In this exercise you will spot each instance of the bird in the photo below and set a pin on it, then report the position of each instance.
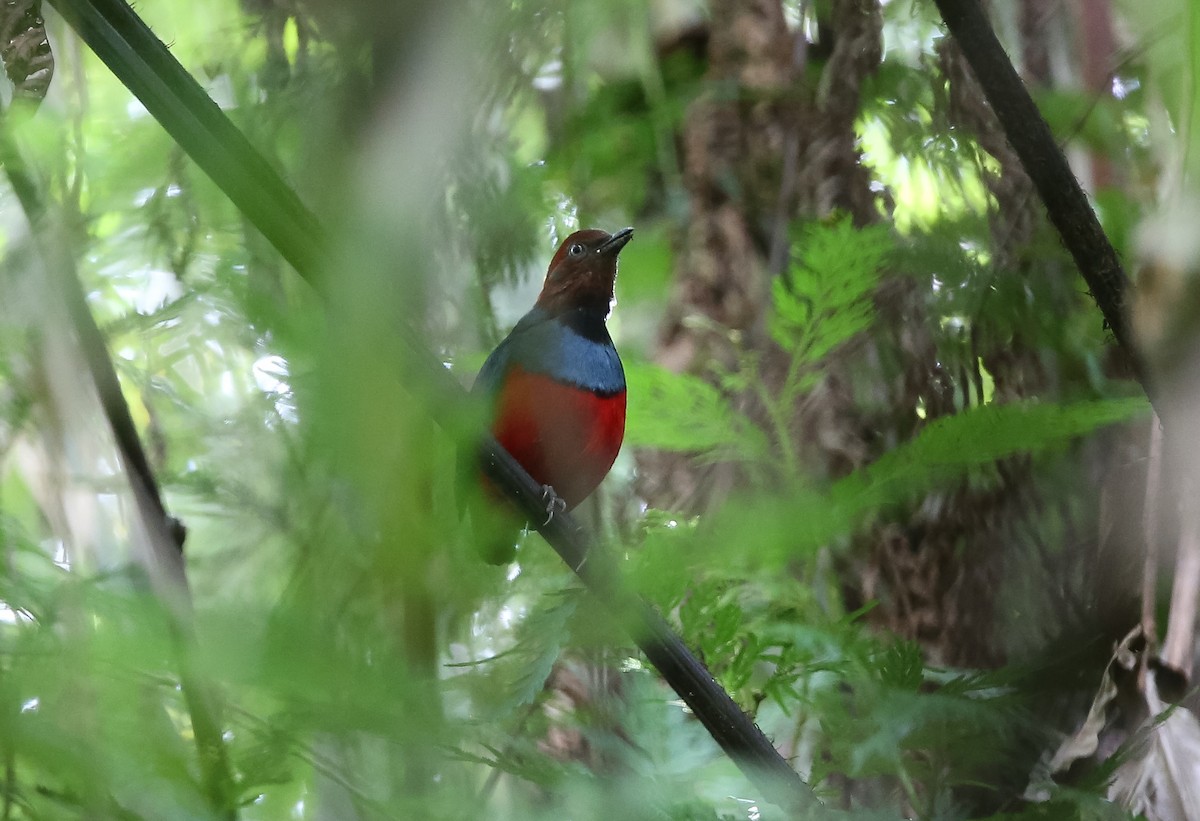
(554, 388)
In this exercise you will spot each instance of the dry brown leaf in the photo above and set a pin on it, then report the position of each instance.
(1162, 779)
(1160, 775)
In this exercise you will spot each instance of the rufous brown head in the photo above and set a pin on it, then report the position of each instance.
(583, 271)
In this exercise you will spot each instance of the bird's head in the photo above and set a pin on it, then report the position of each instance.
(583, 271)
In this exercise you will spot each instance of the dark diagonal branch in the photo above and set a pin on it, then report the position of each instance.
(1065, 202)
(169, 93)
(736, 734)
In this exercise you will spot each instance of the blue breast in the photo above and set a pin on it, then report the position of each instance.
(573, 348)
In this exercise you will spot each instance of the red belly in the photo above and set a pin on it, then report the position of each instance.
(564, 436)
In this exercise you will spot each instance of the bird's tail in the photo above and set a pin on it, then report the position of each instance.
(494, 528)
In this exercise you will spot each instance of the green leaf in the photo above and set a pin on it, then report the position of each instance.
(825, 299)
(944, 451)
(947, 448)
(540, 639)
(680, 412)
(995, 431)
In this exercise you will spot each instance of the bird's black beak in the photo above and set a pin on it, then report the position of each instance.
(613, 245)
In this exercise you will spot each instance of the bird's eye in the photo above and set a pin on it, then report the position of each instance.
(576, 250)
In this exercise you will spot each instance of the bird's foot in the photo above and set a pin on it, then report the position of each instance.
(554, 503)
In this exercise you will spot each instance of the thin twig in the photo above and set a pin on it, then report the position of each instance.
(493, 779)
(1150, 529)
(1150, 514)
(164, 558)
(1179, 645)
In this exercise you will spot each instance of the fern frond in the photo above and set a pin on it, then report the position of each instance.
(825, 299)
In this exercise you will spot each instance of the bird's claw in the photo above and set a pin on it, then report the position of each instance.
(554, 503)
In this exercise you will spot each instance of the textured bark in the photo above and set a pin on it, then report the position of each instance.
(1097, 46)
(773, 143)
(940, 578)
(732, 154)
(770, 142)
(937, 578)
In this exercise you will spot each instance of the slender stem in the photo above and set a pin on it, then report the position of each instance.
(791, 461)
(777, 408)
(164, 557)
(1150, 516)
(1178, 647)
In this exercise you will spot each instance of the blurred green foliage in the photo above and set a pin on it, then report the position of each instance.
(368, 666)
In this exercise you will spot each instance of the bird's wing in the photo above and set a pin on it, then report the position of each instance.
(487, 383)
(524, 335)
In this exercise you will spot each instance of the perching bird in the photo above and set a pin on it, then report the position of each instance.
(555, 384)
